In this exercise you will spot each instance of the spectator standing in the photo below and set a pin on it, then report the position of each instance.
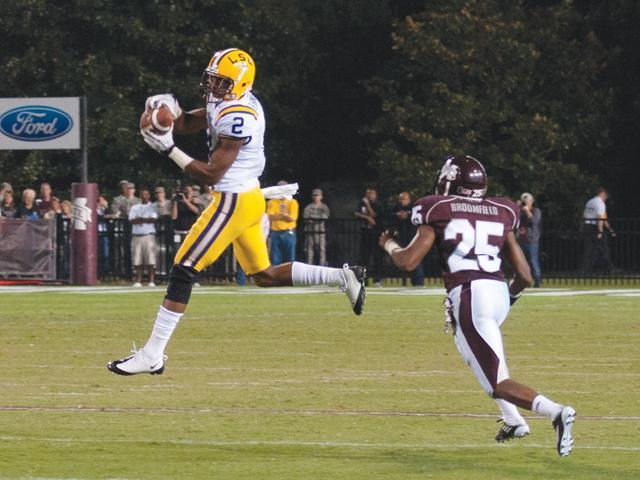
(164, 230)
(196, 198)
(206, 197)
(529, 234)
(315, 233)
(4, 186)
(596, 244)
(44, 202)
(142, 217)
(118, 205)
(102, 210)
(27, 209)
(66, 210)
(162, 204)
(63, 219)
(122, 203)
(400, 219)
(184, 212)
(7, 207)
(371, 214)
(283, 215)
(56, 208)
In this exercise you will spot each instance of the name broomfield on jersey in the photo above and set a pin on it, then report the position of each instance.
(478, 209)
(471, 233)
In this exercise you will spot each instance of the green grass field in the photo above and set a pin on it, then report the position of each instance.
(294, 386)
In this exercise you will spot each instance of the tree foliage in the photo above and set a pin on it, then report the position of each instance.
(510, 84)
(118, 53)
(350, 92)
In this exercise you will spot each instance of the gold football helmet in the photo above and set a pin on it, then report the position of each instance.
(228, 76)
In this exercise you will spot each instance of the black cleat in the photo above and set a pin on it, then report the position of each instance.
(507, 432)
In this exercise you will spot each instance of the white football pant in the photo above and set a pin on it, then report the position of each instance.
(479, 308)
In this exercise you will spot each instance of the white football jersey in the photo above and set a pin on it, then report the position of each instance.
(241, 119)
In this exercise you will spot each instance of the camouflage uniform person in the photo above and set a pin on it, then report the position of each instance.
(122, 203)
(315, 236)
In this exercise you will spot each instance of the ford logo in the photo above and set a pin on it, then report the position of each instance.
(35, 123)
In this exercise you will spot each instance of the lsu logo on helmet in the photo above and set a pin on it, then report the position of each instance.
(228, 76)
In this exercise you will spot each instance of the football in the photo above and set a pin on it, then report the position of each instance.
(159, 119)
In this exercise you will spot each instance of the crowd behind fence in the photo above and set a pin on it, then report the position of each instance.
(561, 250)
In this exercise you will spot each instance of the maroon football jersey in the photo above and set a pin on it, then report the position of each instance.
(470, 234)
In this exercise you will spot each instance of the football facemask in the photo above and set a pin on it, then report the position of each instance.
(216, 88)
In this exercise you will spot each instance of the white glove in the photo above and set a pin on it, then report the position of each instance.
(168, 100)
(160, 142)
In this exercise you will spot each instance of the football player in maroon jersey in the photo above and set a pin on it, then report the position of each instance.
(472, 232)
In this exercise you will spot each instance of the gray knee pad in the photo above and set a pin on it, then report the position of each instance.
(181, 280)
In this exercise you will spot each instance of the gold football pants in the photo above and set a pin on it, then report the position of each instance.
(232, 218)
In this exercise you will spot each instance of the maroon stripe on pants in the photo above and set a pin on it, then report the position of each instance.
(481, 350)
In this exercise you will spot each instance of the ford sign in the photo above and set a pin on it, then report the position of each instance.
(35, 123)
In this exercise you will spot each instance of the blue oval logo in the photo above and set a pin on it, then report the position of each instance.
(35, 123)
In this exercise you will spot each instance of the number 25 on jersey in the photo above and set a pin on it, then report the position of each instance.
(486, 255)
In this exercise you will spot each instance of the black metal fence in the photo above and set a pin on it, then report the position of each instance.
(561, 250)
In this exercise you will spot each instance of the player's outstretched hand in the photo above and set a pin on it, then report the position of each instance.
(160, 142)
(386, 235)
(168, 100)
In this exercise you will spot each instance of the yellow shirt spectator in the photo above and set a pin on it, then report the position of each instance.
(283, 214)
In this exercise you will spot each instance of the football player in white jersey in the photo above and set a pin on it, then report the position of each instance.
(235, 124)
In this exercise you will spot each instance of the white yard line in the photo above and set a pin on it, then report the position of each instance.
(293, 412)
(303, 443)
(109, 290)
(58, 478)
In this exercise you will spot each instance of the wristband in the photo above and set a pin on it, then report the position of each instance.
(178, 156)
(391, 246)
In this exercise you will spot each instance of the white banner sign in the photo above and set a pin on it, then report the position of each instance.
(47, 123)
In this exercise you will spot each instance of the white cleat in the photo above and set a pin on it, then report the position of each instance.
(563, 424)
(151, 285)
(137, 285)
(137, 363)
(355, 279)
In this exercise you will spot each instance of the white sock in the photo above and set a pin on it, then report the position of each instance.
(510, 413)
(165, 324)
(303, 274)
(546, 407)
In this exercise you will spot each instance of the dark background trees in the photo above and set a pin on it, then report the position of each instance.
(545, 93)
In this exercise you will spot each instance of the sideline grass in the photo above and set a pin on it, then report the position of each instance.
(294, 386)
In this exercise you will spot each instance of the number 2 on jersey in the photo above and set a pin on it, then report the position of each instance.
(477, 239)
(236, 127)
